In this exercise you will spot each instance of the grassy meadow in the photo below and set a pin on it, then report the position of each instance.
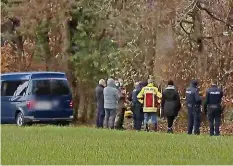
(81, 145)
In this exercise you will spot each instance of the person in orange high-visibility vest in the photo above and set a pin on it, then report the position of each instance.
(150, 97)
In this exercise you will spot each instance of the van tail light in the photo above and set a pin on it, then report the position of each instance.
(30, 104)
(71, 104)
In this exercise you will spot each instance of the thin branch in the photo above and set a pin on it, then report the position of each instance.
(226, 53)
(216, 47)
(206, 37)
(228, 72)
(190, 43)
(212, 15)
(102, 34)
(212, 37)
(12, 45)
(181, 25)
(188, 7)
(178, 32)
(190, 14)
(187, 13)
(187, 22)
(30, 61)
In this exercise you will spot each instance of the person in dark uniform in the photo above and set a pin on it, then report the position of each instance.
(137, 107)
(213, 109)
(170, 104)
(193, 102)
(100, 103)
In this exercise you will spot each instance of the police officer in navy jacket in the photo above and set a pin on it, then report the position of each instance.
(136, 106)
(193, 102)
(212, 107)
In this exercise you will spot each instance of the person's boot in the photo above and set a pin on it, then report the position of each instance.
(170, 130)
(217, 132)
(196, 133)
(120, 122)
(147, 127)
(155, 127)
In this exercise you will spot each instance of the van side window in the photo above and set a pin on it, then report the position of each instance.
(9, 88)
(21, 90)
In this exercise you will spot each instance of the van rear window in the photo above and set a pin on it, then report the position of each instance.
(41, 87)
(50, 87)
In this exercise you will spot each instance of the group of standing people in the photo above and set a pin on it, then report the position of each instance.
(211, 107)
(110, 103)
(146, 101)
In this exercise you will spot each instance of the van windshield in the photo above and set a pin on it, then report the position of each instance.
(50, 87)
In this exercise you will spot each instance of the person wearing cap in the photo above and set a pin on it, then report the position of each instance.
(100, 103)
(193, 102)
(213, 108)
(149, 96)
(170, 104)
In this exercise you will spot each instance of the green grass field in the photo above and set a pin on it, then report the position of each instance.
(80, 145)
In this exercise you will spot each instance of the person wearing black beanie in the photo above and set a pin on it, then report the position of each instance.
(170, 104)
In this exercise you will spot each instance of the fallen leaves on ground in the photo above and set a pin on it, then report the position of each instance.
(181, 123)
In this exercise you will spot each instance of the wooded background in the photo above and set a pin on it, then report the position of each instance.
(93, 39)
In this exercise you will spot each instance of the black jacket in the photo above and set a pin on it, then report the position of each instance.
(192, 94)
(99, 96)
(170, 101)
(213, 97)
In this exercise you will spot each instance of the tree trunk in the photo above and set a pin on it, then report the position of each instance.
(90, 109)
(197, 36)
(81, 106)
(43, 49)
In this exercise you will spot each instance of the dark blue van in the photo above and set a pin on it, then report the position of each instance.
(35, 97)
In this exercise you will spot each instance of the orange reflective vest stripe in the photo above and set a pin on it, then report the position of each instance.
(150, 97)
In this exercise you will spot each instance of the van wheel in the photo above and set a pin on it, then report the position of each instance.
(20, 119)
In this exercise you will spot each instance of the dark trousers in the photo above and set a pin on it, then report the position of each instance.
(194, 119)
(170, 120)
(138, 115)
(100, 117)
(214, 118)
(120, 120)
